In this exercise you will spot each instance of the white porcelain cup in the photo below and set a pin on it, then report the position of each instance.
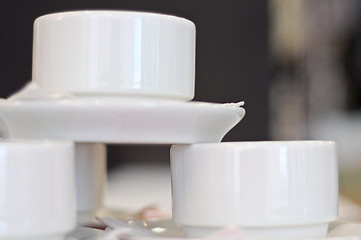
(115, 52)
(275, 190)
(37, 190)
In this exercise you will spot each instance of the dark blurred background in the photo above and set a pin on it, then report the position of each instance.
(231, 57)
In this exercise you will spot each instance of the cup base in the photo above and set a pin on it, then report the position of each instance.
(37, 237)
(270, 233)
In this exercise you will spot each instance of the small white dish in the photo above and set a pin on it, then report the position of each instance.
(275, 190)
(118, 120)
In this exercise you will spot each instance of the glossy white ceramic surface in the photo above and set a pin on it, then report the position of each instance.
(91, 174)
(118, 120)
(115, 52)
(255, 185)
(37, 189)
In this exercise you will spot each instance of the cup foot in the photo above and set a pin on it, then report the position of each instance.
(37, 237)
(270, 233)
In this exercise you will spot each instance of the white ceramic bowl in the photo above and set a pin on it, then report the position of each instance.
(37, 190)
(276, 190)
(115, 52)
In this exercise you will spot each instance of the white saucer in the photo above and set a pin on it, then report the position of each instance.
(118, 120)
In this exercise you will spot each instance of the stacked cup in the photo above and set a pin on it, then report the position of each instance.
(115, 53)
(110, 55)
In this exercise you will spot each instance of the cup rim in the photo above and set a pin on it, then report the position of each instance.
(114, 13)
(262, 144)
